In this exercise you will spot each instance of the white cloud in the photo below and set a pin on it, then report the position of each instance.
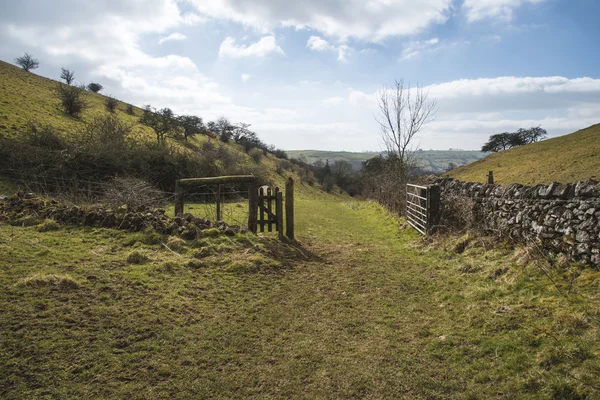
(417, 47)
(372, 20)
(333, 101)
(172, 36)
(265, 46)
(502, 9)
(245, 77)
(318, 44)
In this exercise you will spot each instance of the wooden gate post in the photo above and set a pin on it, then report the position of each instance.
(289, 209)
(253, 206)
(179, 199)
(219, 202)
(279, 212)
(433, 208)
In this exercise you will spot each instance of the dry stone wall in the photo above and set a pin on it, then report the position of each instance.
(562, 218)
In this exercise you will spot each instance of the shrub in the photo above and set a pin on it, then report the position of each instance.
(133, 193)
(111, 104)
(256, 155)
(95, 87)
(72, 99)
(137, 257)
(130, 110)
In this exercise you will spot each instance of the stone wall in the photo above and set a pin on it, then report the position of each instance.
(563, 219)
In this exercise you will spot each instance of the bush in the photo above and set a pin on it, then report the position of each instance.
(133, 193)
(130, 110)
(72, 99)
(256, 155)
(111, 104)
(95, 87)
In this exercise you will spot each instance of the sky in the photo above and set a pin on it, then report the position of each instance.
(305, 74)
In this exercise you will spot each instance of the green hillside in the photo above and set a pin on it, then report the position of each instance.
(27, 98)
(435, 161)
(563, 159)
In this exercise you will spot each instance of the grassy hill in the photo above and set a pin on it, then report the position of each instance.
(435, 161)
(563, 159)
(27, 98)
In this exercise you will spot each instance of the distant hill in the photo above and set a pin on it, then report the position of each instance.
(436, 161)
(563, 159)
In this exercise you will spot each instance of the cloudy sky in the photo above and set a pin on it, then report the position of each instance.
(305, 73)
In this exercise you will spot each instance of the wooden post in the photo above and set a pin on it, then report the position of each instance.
(270, 195)
(179, 199)
(289, 209)
(491, 177)
(279, 211)
(253, 206)
(219, 203)
(433, 208)
(261, 200)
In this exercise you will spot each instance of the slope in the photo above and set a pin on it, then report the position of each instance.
(563, 159)
(27, 98)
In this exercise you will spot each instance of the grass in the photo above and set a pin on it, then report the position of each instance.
(563, 159)
(364, 308)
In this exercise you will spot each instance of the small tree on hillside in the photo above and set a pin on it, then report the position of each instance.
(67, 75)
(95, 87)
(27, 62)
(72, 99)
(163, 122)
(191, 125)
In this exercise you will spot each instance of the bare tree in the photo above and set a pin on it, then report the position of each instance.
(403, 112)
(27, 62)
(67, 75)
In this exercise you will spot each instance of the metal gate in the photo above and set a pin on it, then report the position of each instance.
(416, 207)
(423, 207)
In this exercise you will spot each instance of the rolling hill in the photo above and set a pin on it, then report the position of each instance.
(563, 159)
(435, 161)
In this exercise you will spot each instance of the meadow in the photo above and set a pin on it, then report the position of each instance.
(360, 307)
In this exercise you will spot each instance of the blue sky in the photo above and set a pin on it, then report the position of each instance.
(306, 74)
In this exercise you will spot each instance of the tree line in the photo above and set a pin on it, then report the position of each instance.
(508, 140)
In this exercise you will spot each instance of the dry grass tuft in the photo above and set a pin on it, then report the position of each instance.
(41, 280)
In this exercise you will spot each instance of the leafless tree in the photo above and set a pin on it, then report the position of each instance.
(403, 112)
(27, 62)
(67, 75)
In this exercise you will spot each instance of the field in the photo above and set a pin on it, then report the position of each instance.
(361, 307)
(563, 159)
(435, 161)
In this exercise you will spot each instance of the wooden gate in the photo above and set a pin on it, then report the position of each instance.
(270, 206)
(423, 207)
